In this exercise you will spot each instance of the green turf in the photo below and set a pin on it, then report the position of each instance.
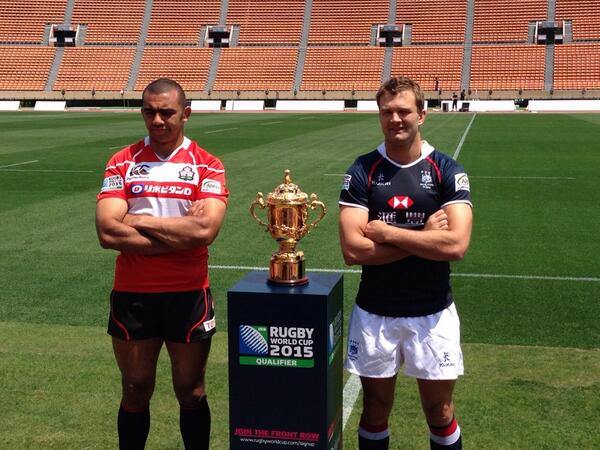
(534, 189)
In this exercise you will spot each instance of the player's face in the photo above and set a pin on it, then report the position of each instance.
(164, 117)
(399, 118)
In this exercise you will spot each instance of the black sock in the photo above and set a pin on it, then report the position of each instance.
(368, 444)
(195, 426)
(133, 428)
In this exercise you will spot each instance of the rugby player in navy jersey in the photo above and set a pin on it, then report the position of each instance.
(162, 204)
(405, 213)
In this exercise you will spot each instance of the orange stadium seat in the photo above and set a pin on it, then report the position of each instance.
(180, 21)
(256, 68)
(345, 21)
(342, 68)
(433, 21)
(577, 66)
(187, 65)
(267, 21)
(426, 63)
(506, 20)
(25, 21)
(25, 68)
(110, 21)
(507, 67)
(99, 68)
(585, 15)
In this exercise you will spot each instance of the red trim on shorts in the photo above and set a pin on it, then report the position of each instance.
(373, 167)
(444, 431)
(437, 169)
(119, 324)
(197, 324)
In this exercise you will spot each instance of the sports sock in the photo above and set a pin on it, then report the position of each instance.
(195, 426)
(445, 438)
(133, 428)
(373, 437)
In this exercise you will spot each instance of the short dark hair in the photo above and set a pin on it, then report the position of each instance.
(162, 85)
(396, 85)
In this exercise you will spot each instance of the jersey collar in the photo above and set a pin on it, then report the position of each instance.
(184, 145)
(426, 150)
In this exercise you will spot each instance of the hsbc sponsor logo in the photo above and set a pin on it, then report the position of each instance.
(461, 182)
(400, 202)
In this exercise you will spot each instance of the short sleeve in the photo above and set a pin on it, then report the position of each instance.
(455, 185)
(113, 184)
(355, 186)
(212, 182)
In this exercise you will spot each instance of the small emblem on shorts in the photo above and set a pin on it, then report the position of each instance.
(353, 348)
(446, 360)
(210, 324)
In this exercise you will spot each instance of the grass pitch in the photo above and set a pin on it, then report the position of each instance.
(527, 291)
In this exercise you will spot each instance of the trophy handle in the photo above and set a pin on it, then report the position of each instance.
(261, 203)
(313, 204)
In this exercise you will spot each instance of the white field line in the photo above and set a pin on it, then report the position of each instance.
(522, 178)
(219, 131)
(20, 164)
(116, 147)
(271, 123)
(350, 395)
(305, 118)
(47, 170)
(465, 275)
(464, 136)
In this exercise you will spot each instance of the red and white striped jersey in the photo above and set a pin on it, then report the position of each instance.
(163, 188)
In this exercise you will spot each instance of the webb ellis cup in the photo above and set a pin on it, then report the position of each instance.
(288, 223)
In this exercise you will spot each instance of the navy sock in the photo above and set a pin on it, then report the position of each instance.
(373, 437)
(133, 428)
(195, 426)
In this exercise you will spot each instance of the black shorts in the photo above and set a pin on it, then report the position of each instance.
(173, 316)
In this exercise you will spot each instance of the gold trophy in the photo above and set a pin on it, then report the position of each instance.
(288, 223)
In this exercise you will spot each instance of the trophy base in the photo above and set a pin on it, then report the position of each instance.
(287, 269)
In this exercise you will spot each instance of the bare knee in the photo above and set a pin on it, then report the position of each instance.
(137, 391)
(439, 414)
(189, 393)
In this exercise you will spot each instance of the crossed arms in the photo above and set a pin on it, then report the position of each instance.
(150, 235)
(445, 237)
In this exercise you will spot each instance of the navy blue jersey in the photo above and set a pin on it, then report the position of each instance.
(405, 196)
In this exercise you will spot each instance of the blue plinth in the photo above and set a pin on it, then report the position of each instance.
(285, 363)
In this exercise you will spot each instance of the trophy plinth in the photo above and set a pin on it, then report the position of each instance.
(288, 223)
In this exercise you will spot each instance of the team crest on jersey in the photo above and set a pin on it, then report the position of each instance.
(186, 174)
(461, 182)
(114, 183)
(346, 182)
(211, 186)
(426, 179)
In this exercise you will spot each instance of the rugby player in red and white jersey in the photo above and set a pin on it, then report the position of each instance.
(162, 204)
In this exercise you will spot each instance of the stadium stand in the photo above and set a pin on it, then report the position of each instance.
(433, 21)
(503, 67)
(345, 21)
(188, 65)
(267, 21)
(506, 20)
(110, 21)
(97, 68)
(585, 15)
(25, 22)
(426, 63)
(25, 68)
(577, 66)
(342, 68)
(180, 21)
(256, 68)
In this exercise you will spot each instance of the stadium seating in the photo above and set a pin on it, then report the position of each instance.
(342, 68)
(507, 67)
(25, 68)
(98, 68)
(585, 15)
(433, 21)
(110, 21)
(188, 65)
(180, 21)
(256, 68)
(425, 63)
(577, 66)
(267, 21)
(345, 21)
(25, 21)
(506, 20)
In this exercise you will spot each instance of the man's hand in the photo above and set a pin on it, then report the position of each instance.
(437, 221)
(197, 208)
(377, 231)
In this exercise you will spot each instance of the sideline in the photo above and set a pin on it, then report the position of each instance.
(462, 140)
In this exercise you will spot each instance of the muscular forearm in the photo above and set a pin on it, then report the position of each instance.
(368, 252)
(438, 245)
(177, 232)
(118, 236)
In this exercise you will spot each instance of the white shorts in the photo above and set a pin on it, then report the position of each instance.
(427, 346)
